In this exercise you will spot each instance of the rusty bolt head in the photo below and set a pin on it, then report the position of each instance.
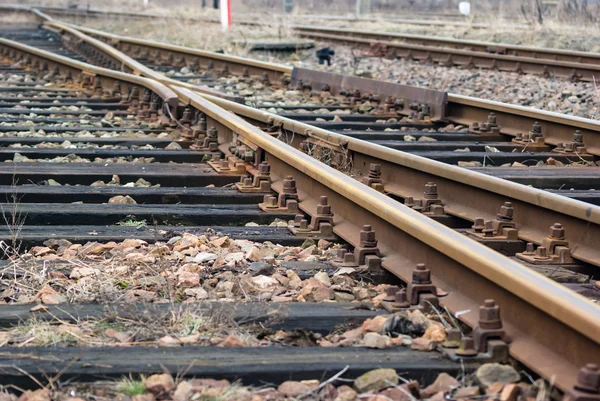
(421, 274)
(264, 168)
(349, 258)
(323, 208)
(212, 132)
(570, 146)
(557, 231)
(401, 299)
(488, 231)
(374, 167)
(390, 293)
(298, 218)
(578, 137)
(478, 225)
(541, 252)
(289, 185)
(367, 237)
(247, 182)
(356, 93)
(431, 191)
(506, 212)
(454, 334)
(536, 128)
(466, 347)
(489, 315)
(304, 224)
(409, 201)
(475, 126)
(491, 118)
(588, 379)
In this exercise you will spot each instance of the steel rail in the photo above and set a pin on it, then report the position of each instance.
(469, 59)
(537, 312)
(466, 194)
(536, 210)
(107, 76)
(235, 64)
(475, 45)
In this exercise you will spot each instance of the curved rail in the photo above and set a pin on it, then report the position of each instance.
(102, 77)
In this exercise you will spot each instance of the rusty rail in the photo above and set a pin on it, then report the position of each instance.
(538, 314)
(102, 79)
(512, 120)
(474, 45)
(467, 58)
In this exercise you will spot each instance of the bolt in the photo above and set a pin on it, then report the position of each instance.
(430, 191)
(466, 347)
(212, 132)
(270, 201)
(541, 252)
(453, 337)
(148, 97)
(401, 300)
(506, 212)
(488, 231)
(289, 185)
(489, 315)
(492, 119)
(421, 275)
(374, 170)
(536, 129)
(303, 225)
(409, 201)
(529, 248)
(557, 231)
(246, 182)
(325, 88)
(186, 116)
(367, 237)
(578, 137)
(323, 207)
(390, 293)
(264, 168)
(588, 379)
(246, 73)
(478, 225)
(349, 259)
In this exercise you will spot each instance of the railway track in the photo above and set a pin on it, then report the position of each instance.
(454, 251)
(574, 65)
